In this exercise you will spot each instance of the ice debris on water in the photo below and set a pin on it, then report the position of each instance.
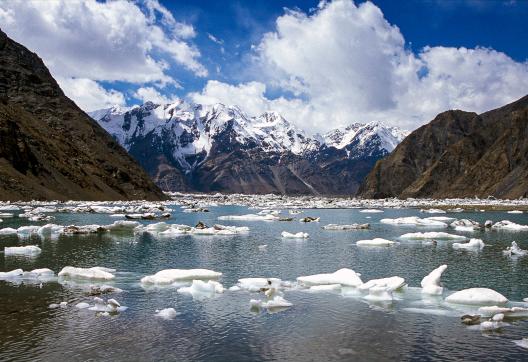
(473, 244)
(432, 235)
(299, 235)
(200, 288)
(346, 227)
(431, 283)
(509, 225)
(523, 343)
(166, 313)
(477, 296)
(96, 272)
(376, 242)
(514, 250)
(34, 276)
(169, 276)
(27, 250)
(414, 220)
(345, 277)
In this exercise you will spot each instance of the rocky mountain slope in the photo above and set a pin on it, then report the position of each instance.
(208, 148)
(458, 154)
(49, 148)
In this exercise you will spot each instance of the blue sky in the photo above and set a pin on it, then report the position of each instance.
(321, 65)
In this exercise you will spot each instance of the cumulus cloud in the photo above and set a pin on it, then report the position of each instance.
(89, 95)
(103, 41)
(146, 94)
(346, 63)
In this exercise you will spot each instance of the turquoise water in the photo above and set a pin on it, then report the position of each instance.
(319, 326)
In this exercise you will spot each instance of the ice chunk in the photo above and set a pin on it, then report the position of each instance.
(8, 231)
(346, 227)
(27, 231)
(346, 277)
(433, 211)
(523, 343)
(324, 287)
(515, 212)
(169, 276)
(276, 302)
(167, 313)
(391, 284)
(199, 287)
(371, 211)
(440, 218)
(27, 250)
(414, 220)
(87, 273)
(431, 283)
(432, 235)
(465, 225)
(11, 274)
(473, 244)
(375, 242)
(512, 312)
(82, 305)
(256, 284)
(122, 225)
(514, 250)
(508, 225)
(477, 296)
(250, 217)
(299, 235)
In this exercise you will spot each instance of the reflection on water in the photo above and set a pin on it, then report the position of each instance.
(319, 326)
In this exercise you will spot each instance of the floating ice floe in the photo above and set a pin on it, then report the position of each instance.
(431, 283)
(523, 343)
(164, 229)
(432, 235)
(42, 275)
(375, 242)
(391, 284)
(379, 294)
(166, 313)
(494, 323)
(295, 212)
(346, 227)
(6, 214)
(345, 277)
(508, 225)
(509, 212)
(8, 231)
(250, 217)
(433, 211)
(27, 250)
(414, 220)
(257, 284)
(465, 225)
(96, 272)
(513, 312)
(477, 296)
(514, 250)
(324, 287)
(200, 288)
(299, 235)
(82, 305)
(110, 306)
(371, 211)
(276, 302)
(169, 276)
(473, 244)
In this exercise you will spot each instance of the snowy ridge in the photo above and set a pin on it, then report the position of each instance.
(191, 130)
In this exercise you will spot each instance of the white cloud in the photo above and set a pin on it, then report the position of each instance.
(146, 94)
(103, 41)
(89, 95)
(346, 63)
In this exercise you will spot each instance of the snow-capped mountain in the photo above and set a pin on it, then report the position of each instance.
(220, 148)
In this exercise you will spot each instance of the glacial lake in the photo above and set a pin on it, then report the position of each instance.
(320, 326)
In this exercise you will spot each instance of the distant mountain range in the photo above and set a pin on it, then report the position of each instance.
(49, 148)
(458, 154)
(194, 147)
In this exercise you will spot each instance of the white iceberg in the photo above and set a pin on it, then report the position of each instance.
(390, 284)
(509, 212)
(371, 211)
(477, 296)
(87, 273)
(346, 227)
(346, 277)
(513, 312)
(167, 313)
(465, 225)
(199, 287)
(82, 305)
(433, 211)
(414, 220)
(27, 250)
(510, 226)
(250, 217)
(169, 276)
(379, 294)
(256, 284)
(276, 302)
(8, 231)
(324, 287)
(431, 283)
(514, 250)
(432, 235)
(299, 235)
(473, 244)
(523, 343)
(375, 242)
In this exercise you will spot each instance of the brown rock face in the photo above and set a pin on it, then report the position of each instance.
(458, 154)
(49, 148)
